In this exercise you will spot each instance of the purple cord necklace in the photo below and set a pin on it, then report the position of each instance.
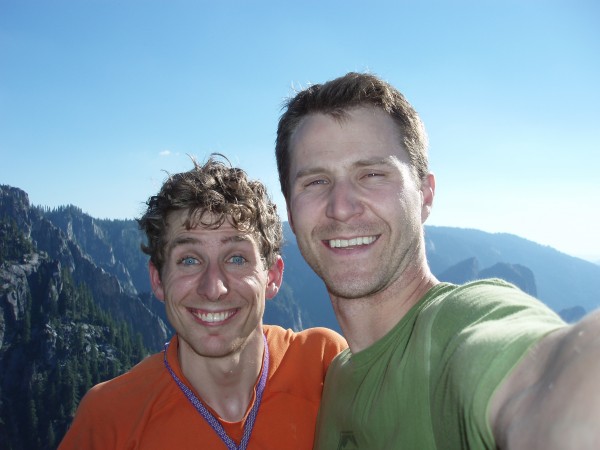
(212, 420)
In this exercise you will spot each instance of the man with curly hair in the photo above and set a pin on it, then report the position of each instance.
(224, 380)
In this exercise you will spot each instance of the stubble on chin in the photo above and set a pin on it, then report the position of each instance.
(353, 284)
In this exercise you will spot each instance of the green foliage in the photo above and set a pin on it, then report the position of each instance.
(13, 242)
(62, 348)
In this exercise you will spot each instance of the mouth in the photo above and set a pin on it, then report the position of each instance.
(212, 317)
(353, 243)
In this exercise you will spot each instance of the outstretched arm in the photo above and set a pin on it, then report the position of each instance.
(552, 399)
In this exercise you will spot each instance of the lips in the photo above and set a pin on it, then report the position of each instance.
(353, 242)
(213, 317)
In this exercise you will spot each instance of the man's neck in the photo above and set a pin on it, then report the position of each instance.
(225, 384)
(366, 320)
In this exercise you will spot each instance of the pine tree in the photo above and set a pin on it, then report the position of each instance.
(31, 424)
(67, 395)
(94, 370)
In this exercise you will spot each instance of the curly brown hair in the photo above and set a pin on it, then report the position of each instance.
(213, 193)
(335, 98)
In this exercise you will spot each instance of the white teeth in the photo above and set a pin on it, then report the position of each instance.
(341, 243)
(213, 317)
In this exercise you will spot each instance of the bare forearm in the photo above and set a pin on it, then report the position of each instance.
(561, 409)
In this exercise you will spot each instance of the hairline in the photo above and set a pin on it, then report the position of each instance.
(342, 115)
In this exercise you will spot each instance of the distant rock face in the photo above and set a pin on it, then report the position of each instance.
(14, 289)
(516, 274)
(66, 322)
(468, 270)
(561, 281)
(14, 203)
(93, 241)
(572, 315)
(462, 272)
(60, 247)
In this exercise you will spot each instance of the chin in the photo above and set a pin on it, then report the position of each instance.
(351, 290)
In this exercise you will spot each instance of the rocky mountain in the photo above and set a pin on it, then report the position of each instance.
(76, 306)
(65, 324)
(470, 269)
(561, 281)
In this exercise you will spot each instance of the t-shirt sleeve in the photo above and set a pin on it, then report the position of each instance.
(480, 333)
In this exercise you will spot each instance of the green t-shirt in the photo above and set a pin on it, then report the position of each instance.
(428, 382)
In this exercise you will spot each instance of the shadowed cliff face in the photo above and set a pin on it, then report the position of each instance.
(65, 324)
(561, 281)
(115, 295)
(469, 270)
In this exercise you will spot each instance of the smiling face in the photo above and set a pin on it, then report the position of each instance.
(355, 205)
(214, 284)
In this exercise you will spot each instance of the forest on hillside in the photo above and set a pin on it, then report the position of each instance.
(60, 345)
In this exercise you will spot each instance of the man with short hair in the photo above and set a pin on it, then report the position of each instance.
(224, 380)
(430, 365)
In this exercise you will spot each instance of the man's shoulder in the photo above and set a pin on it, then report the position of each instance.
(489, 306)
(317, 336)
(313, 347)
(484, 293)
(110, 410)
(299, 360)
(139, 379)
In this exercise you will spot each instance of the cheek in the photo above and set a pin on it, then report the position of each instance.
(253, 288)
(251, 283)
(303, 210)
(176, 286)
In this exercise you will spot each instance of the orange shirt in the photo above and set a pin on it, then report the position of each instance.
(144, 408)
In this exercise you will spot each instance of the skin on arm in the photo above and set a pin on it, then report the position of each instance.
(552, 399)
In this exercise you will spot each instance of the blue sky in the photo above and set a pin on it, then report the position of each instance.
(98, 97)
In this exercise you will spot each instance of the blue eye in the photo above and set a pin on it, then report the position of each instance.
(189, 261)
(238, 260)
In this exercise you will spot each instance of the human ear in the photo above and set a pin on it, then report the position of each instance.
(427, 194)
(155, 282)
(274, 278)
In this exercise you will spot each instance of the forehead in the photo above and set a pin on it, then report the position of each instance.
(178, 232)
(363, 133)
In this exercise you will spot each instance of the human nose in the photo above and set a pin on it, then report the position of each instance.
(212, 284)
(343, 201)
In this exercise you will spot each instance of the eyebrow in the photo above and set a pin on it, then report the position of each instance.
(190, 240)
(377, 161)
(385, 161)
